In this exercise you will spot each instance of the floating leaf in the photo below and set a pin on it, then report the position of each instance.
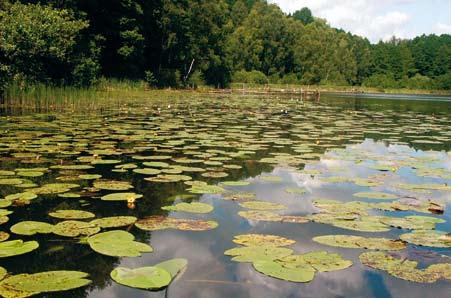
(114, 221)
(16, 247)
(260, 215)
(51, 281)
(295, 190)
(262, 240)
(10, 181)
(428, 238)
(3, 273)
(147, 171)
(350, 241)
(29, 228)
(72, 214)
(376, 195)
(256, 253)
(413, 222)
(3, 236)
(261, 205)
(405, 269)
(149, 278)
(90, 176)
(206, 189)
(154, 223)
(22, 196)
(73, 228)
(235, 183)
(193, 207)
(112, 185)
(117, 244)
(122, 196)
(276, 270)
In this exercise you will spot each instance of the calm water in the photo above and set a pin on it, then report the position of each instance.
(307, 141)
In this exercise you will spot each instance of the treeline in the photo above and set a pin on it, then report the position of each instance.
(194, 42)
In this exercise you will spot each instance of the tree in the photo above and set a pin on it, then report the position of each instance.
(304, 15)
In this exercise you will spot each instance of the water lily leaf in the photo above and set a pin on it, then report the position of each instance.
(30, 174)
(321, 261)
(173, 266)
(262, 240)
(5, 203)
(156, 164)
(274, 179)
(7, 173)
(10, 181)
(169, 178)
(114, 221)
(350, 241)
(122, 196)
(295, 190)
(73, 228)
(154, 223)
(3, 272)
(262, 205)
(413, 222)
(235, 183)
(276, 270)
(149, 278)
(30, 228)
(26, 196)
(90, 176)
(240, 196)
(16, 247)
(3, 236)
(147, 171)
(260, 215)
(376, 195)
(428, 238)
(255, 253)
(193, 207)
(3, 219)
(53, 188)
(72, 167)
(206, 189)
(117, 244)
(72, 214)
(112, 185)
(405, 269)
(51, 281)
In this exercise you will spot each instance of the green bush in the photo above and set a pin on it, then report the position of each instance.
(443, 81)
(381, 80)
(250, 77)
(417, 82)
(291, 78)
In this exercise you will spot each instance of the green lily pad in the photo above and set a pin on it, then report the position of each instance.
(405, 269)
(376, 195)
(276, 270)
(53, 188)
(428, 238)
(73, 228)
(173, 266)
(149, 278)
(16, 247)
(262, 240)
(350, 241)
(254, 253)
(30, 174)
(3, 236)
(90, 176)
(413, 222)
(117, 244)
(25, 196)
(72, 214)
(193, 207)
(206, 189)
(295, 190)
(5, 203)
(147, 171)
(156, 164)
(7, 173)
(114, 221)
(112, 185)
(3, 273)
(122, 196)
(261, 205)
(235, 183)
(154, 223)
(29, 228)
(10, 181)
(51, 281)
(260, 215)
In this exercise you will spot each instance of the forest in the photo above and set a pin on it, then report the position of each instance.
(179, 43)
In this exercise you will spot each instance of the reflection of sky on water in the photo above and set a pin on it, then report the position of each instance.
(210, 274)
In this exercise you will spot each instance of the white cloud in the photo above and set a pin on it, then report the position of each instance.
(441, 28)
(373, 19)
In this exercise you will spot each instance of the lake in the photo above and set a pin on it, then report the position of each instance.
(346, 165)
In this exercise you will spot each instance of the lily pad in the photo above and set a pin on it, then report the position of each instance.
(112, 185)
(122, 196)
(193, 207)
(413, 222)
(51, 281)
(149, 278)
(235, 183)
(256, 253)
(428, 238)
(262, 240)
(206, 189)
(260, 215)
(16, 247)
(73, 228)
(262, 205)
(114, 221)
(30, 228)
(173, 266)
(376, 195)
(72, 214)
(277, 270)
(295, 190)
(350, 241)
(117, 244)
(154, 223)
(3, 236)
(26, 196)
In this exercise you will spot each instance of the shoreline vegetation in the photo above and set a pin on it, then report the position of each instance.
(40, 97)
(67, 49)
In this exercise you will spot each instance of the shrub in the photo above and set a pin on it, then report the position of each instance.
(250, 77)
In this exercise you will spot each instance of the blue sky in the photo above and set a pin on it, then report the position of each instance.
(380, 19)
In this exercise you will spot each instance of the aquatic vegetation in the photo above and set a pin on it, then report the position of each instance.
(428, 238)
(155, 223)
(117, 243)
(262, 205)
(30, 228)
(376, 195)
(16, 247)
(72, 214)
(74, 228)
(114, 221)
(193, 207)
(121, 196)
(264, 240)
(350, 241)
(405, 269)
